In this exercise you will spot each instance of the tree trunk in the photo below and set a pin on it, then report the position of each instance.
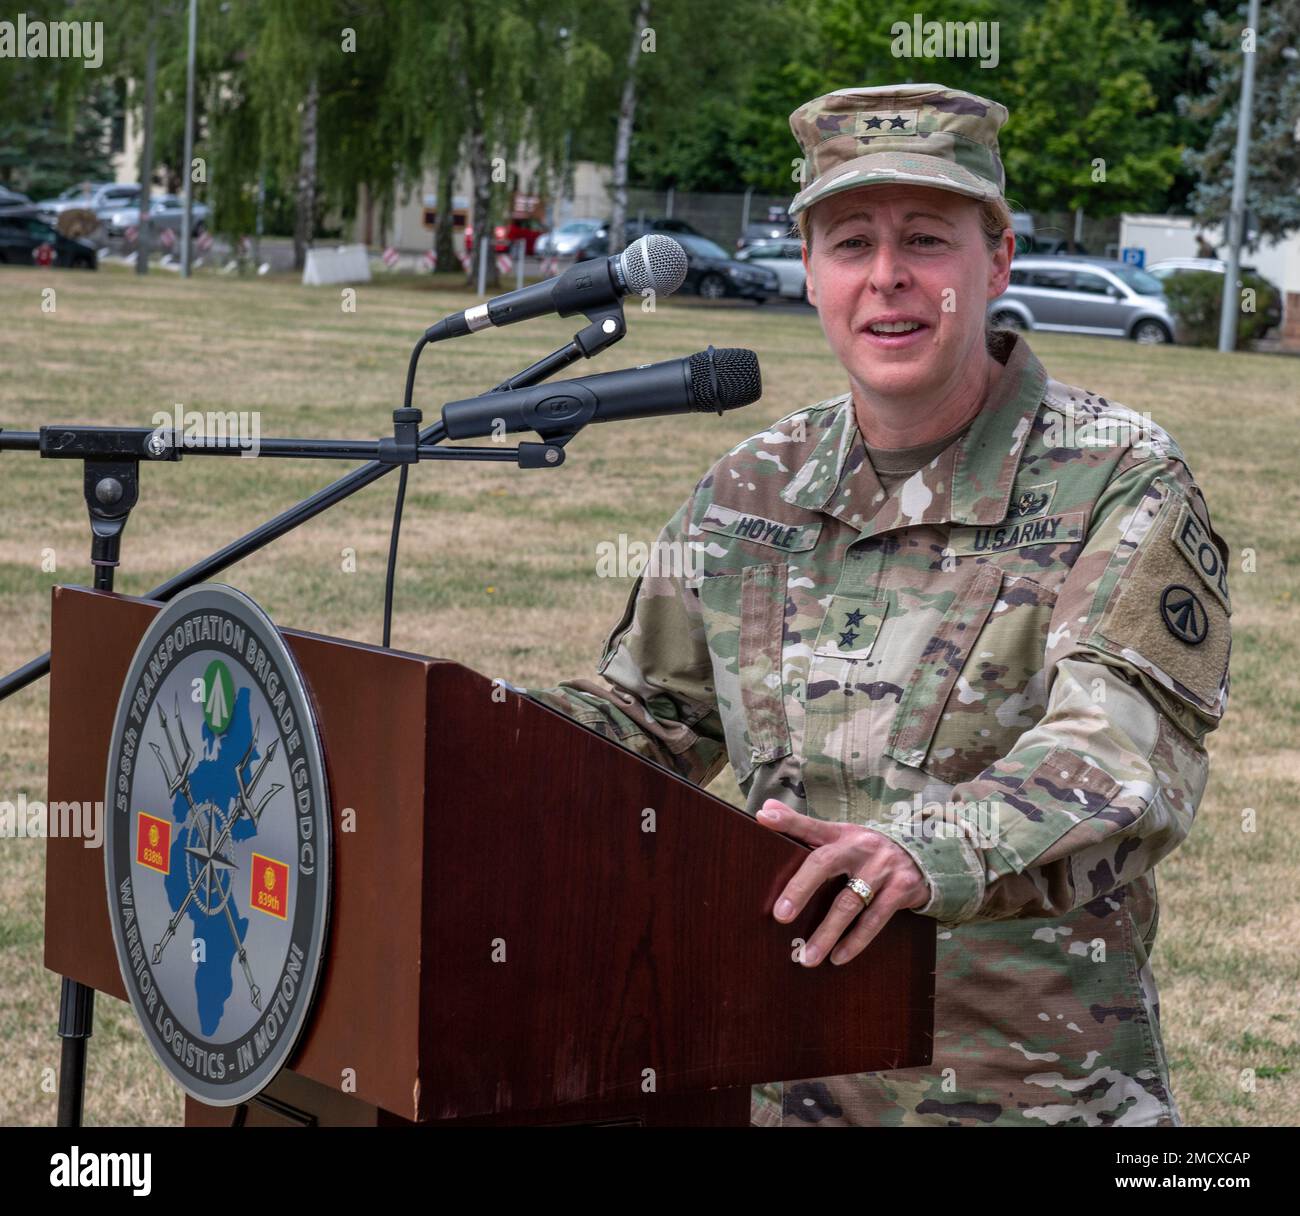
(623, 141)
(445, 227)
(482, 209)
(146, 151)
(305, 221)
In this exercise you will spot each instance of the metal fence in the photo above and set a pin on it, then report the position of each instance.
(721, 217)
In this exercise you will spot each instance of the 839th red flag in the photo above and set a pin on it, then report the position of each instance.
(269, 886)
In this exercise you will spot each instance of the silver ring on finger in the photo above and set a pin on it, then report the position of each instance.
(862, 889)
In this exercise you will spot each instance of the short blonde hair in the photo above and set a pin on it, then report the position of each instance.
(995, 219)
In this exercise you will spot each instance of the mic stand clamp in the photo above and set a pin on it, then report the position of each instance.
(404, 446)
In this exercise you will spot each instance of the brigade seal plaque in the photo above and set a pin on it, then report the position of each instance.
(217, 845)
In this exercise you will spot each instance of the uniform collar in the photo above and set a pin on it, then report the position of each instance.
(969, 482)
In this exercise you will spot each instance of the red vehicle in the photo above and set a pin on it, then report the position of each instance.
(521, 228)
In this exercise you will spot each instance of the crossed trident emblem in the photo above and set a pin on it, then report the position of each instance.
(201, 822)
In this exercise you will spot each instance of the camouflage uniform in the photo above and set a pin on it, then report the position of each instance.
(1008, 665)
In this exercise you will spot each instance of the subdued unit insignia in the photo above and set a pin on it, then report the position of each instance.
(1183, 614)
(1033, 500)
(1153, 612)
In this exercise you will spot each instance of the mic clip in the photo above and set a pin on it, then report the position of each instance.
(548, 455)
(607, 327)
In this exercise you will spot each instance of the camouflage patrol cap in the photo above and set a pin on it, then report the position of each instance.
(913, 134)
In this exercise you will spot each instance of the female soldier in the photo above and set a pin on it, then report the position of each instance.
(963, 629)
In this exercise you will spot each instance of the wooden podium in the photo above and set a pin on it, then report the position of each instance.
(507, 943)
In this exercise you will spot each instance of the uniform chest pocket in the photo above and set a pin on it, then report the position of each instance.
(979, 684)
(744, 616)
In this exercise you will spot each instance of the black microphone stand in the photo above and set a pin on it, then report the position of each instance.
(111, 485)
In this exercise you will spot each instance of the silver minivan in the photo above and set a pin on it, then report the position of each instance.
(1084, 296)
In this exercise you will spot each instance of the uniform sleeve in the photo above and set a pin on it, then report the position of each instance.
(1107, 782)
(657, 695)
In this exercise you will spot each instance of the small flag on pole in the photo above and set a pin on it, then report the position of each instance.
(504, 264)
(431, 259)
(390, 256)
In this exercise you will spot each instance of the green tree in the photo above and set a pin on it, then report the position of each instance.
(50, 140)
(1273, 174)
(749, 65)
(1086, 131)
(475, 82)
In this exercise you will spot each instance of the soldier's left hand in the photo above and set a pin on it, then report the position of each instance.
(844, 849)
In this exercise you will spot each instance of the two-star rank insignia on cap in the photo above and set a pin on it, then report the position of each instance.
(887, 122)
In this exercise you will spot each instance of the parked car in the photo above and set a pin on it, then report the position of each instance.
(103, 198)
(1050, 246)
(1170, 266)
(785, 259)
(12, 198)
(753, 234)
(165, 211)
(1167, 266)
(776, 227)
(639, 227)
(712, 274)
(1022, 226)
(1083, 296)
(596, 245)
(563, 242)
(505, 235)
(27, 240)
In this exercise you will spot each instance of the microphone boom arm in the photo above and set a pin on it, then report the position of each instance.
(112, 457)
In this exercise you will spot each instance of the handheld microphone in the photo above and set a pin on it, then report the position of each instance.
(708, 381)
(654, 262)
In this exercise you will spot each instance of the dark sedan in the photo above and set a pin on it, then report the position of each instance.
(596, 243)
(712, 274)
(27, 240)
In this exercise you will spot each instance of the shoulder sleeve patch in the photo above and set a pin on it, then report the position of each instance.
(1202, 554)
(1168, 612)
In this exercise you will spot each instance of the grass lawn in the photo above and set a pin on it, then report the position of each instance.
(498, 570)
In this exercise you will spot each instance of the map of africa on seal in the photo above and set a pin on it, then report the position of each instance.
(217, 850)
